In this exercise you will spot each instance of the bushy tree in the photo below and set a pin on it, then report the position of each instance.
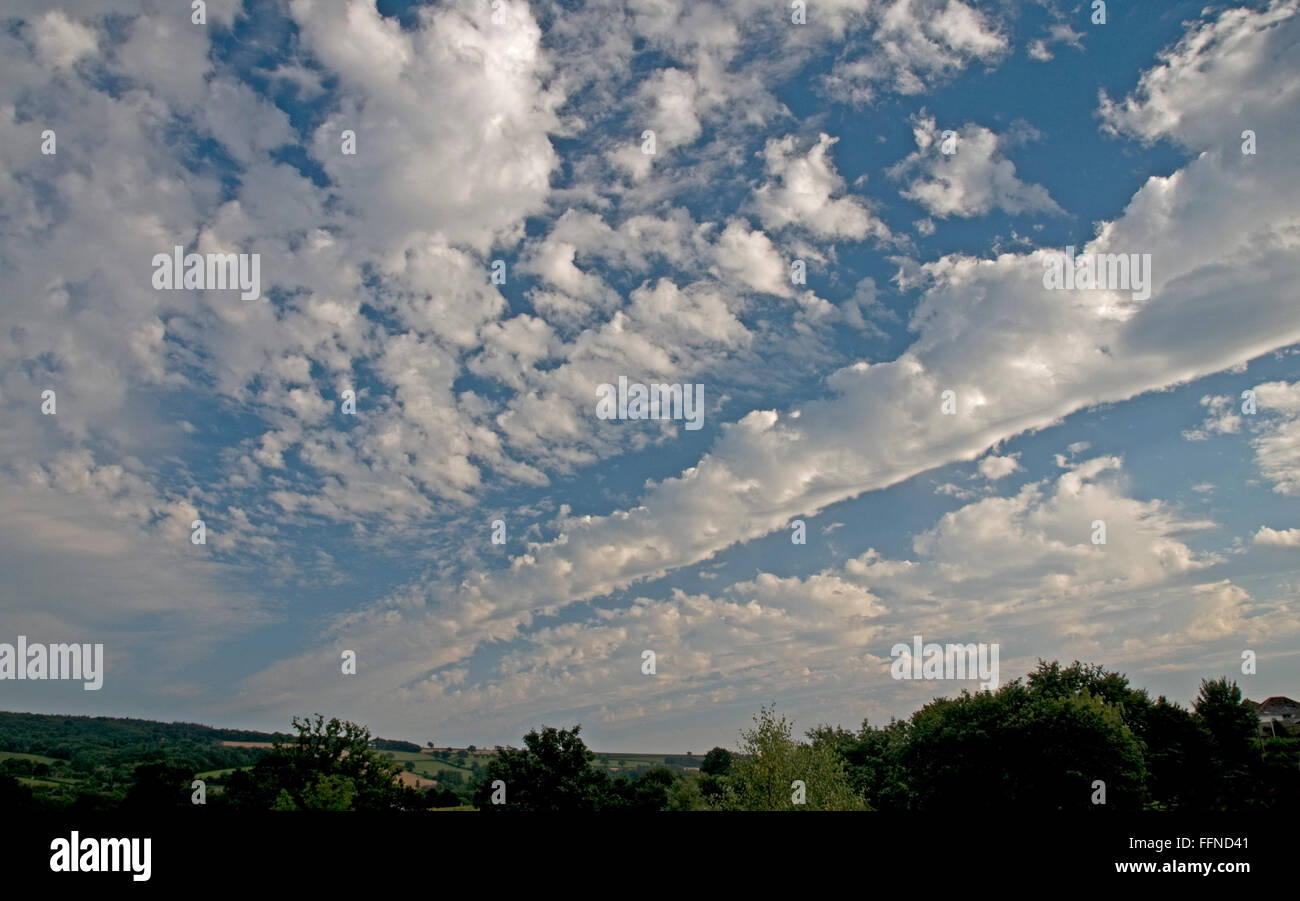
(1232, 725)
(553, 772)
(685, 793)
(14, 796)
(441, 797)
(1230, 719)
(159, 786)
(326, 766)
(1039, 745)
(873, 761)
(717, 762)
(1177, 750)
(649, 791)
(771, 761)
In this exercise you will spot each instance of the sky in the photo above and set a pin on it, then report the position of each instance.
(847, 212)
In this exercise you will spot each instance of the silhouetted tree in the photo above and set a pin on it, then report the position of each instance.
(327, 766)
(159, 786)
(717, 762)
(551, 773)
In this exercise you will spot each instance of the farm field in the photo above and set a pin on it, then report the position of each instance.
(625, 763)
(431, 767)
(34, 758)
(218, 775)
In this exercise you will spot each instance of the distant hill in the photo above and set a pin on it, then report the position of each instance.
(90, 760)
(57, 735)
(111, 740)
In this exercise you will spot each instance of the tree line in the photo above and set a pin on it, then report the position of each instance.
(1073, 737)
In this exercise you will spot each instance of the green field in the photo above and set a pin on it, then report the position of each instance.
(57, 783)
(36, 758)
(430, 767)
(218, 775)
(629, 763)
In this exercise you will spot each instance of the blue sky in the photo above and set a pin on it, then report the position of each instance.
(513, 132)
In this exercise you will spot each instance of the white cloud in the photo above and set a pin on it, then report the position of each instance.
(452, 121)
(1218, 66)
(61, 41)
(671, 94)
(1278, 538)
(1222, 419)
(749, 257)
(1277, 446)
(1059, 33)
(974, 180)
(1276, 428)
(802, 189)
(912, 45)
(994, 467)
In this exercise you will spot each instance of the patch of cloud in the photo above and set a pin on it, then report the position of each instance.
(994, 467)
(1221, 419)
(972, 181)
(1277, 446)
(1277, 537)
(1040, 48)
(803, 189)
(910, 46)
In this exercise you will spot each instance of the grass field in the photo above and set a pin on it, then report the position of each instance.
(57, 781)
(430, 767)
(37, 758)
(427, 766)
(218, 775)
(623, 763)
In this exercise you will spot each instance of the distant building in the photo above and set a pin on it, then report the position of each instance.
(1278, 714)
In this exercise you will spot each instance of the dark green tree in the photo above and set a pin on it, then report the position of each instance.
(326, 766)
(1236, 749)
(717, 762)
(441, 797)
(14, 796)
(1230, 719)
(1178, 752)
(159, 786)
(649, 791)
(1039, 746)
(553, 772)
